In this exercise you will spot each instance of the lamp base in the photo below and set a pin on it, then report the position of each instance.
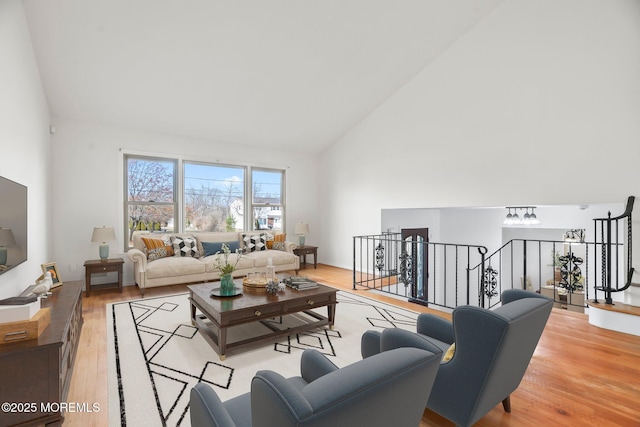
(3, 255)
(104, 252)
(301, 241)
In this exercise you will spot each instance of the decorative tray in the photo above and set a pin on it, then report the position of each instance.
(254, 283)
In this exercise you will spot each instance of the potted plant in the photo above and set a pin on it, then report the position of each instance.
(557, 275)
(226, 267)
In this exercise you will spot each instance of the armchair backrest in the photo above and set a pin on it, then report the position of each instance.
(493, 351)
(390, 388)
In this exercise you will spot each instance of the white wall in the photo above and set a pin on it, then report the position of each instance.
(485, 225)
(24, 141)
(396, 219)
(537, 104)
(88, 184)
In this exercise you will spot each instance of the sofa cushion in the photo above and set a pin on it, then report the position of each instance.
(254, 242)
(244, 262)
(211, 248)
(260, 258)
(174, 266)
(185, 246)
(158, 247)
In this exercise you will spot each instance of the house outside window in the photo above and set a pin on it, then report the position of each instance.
(267, 202)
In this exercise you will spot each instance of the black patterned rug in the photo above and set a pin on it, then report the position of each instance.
(156, 356)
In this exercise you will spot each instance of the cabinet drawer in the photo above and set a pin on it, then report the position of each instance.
(255, 313)
(305, 251)
(308, 302)
(103, 269)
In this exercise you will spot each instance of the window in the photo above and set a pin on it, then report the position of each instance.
(213, 197)
(163, 194)
(150, 192)
(267, 199)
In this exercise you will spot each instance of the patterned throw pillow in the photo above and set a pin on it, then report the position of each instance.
(278, 241)
(185, 246)
(254, 242)
(158, 247)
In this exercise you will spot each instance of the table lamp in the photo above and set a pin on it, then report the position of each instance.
(6, 239)
(302, 229)
(103, 235)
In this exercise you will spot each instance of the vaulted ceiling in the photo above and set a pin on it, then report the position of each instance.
(287, 74)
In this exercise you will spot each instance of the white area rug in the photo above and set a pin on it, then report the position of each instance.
(156, 356)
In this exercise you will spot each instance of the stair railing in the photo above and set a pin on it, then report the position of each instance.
(607, 232)
(447, 275)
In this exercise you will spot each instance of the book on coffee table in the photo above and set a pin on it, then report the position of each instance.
(299, 282)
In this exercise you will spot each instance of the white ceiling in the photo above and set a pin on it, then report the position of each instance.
(287, 74)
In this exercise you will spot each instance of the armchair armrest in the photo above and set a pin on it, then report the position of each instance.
(370, 343)
(397, 338)
(435, 327)
(276, 402)
(207, 409)
(374, 342)
(511, 295)
(314, 364)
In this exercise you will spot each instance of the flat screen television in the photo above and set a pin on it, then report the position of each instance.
(13, 224)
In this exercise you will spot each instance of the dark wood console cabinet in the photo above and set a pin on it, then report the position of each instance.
(35, 374)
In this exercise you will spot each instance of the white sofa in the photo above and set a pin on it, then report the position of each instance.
(172, 270)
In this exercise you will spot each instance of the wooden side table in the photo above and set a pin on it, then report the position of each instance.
(304, 250)
(98, 266)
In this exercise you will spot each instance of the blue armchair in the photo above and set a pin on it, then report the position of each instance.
(390, 388)
(493, 349)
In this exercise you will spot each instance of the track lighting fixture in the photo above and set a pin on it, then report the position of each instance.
(527, 218)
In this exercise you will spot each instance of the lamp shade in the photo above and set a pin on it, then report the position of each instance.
(301, 228)
(103, 234)
(6, 237)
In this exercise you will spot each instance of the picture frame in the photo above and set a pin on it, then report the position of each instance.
(55, 276)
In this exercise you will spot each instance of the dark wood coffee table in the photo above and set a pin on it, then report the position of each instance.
(225, 312)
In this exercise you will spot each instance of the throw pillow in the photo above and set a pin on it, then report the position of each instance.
(185, 246)
(269, 238)
(158, 247)
(212, 248)
(449, 353)
(254, 242)
(278, 241)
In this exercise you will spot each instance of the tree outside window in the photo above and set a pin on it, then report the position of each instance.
(213, 197)
(151, 197)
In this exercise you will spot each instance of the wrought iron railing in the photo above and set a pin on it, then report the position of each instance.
(558, 269)
(607, 232)
(455, 274)
(441, 274)
(448, 275)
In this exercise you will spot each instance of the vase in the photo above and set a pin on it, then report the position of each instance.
(226, 284)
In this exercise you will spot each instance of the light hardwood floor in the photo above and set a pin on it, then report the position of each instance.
(580, 375)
